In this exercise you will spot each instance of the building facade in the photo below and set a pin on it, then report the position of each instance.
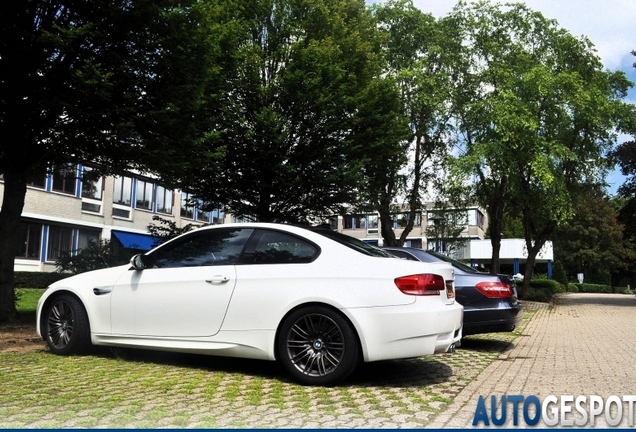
(68, 208)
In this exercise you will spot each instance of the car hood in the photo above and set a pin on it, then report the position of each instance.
(91, 279)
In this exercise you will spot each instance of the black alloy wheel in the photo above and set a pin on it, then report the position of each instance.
(318, 346)
(66, 327)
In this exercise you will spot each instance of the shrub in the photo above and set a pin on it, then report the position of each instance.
(36, 279)
(549, 285)
(573, 288)
(593, 288)
(96, 255)
(538, 294)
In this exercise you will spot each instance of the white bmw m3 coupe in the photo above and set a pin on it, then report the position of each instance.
(318, 301)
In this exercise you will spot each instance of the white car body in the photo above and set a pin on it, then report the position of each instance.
(237, 310)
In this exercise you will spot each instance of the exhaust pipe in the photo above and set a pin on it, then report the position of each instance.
(451, 348)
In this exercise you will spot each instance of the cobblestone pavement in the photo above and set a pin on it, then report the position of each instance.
(144, 389)
(577, 346)
(582, 345)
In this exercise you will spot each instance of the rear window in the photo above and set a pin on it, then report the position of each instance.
(452, 261)
(354, 243)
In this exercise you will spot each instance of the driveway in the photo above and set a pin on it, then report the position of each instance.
(583, 345)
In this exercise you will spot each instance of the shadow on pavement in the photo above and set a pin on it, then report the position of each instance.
(395, 373)
(484, 345)
(418, 372)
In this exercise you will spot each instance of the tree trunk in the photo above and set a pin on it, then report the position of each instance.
(527, 273)
(12, 205)
(496, 215)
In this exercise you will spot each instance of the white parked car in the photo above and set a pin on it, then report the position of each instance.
(318, 301)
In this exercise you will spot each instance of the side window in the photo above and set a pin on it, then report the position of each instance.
(203, 248)
(274, 247)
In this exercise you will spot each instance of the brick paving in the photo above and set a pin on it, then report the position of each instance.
(582, 344)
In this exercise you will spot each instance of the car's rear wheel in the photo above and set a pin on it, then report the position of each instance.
(66, 327)
(318, 346)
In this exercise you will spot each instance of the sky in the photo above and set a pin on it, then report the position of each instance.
(609, 24)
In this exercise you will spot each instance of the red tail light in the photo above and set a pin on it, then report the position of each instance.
(494, 289)
(421, 284)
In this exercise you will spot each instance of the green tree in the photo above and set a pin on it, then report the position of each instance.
(417, 52)
(118, 83)
(296, 117)
(167, 229)
(537, 114)
(593, 239)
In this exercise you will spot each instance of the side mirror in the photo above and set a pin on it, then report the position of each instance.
(138, 262)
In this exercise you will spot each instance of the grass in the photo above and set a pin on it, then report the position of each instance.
(28, 299)
(131, 388)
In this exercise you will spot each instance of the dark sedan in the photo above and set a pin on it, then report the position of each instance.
(490, 301)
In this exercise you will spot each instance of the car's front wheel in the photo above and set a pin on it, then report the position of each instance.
(318, 346)
(66, 327)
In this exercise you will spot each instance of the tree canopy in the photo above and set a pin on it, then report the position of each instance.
(538, 115)
(418, 53)
(118, 83)
(298, 112)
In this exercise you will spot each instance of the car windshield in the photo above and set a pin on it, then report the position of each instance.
(458, 264)
(354, 243)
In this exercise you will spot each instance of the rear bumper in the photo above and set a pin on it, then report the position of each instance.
(492, 320)
(407, 331)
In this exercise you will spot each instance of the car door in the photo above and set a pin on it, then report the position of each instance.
(185, 289)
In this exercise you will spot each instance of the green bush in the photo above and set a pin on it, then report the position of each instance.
(573, 288)
(36, 279)
(97, 255)
(593, 288)
(549, 285)
(541, 289)
(537, 294)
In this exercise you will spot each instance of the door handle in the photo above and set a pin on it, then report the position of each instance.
(217, 280)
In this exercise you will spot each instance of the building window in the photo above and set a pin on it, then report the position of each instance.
(37, 181)
(30, 238)
(187, 205)
(164, 200)
(372, 223)
(60, 241)
(85, 237)
(92, 189)
(401, 219)
(65, 178)
(218, 216)
(122, 197)
(202, 215)
(143, 195)
(92, 185)
(355, 222)
(123, 191)
(480, 219)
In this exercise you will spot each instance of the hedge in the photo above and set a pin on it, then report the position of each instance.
(37, 279)
(593, 288)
